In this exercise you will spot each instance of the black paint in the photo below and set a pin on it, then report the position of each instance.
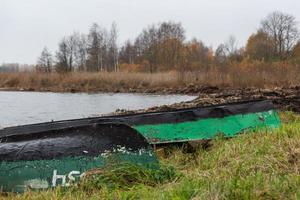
(181, 115)
(90, 140)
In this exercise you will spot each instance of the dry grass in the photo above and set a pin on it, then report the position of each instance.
(85, 81)
(250, 75)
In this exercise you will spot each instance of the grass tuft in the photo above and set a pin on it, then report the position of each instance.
(126, 176)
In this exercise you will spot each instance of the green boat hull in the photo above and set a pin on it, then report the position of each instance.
(59, 158)
(46, 155)
(43, 174)
(204, 129)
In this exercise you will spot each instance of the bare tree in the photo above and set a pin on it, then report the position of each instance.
(221, 54)
(72, 46)
(170, 30)
(64, 57)
(45, 61)
(80, 51)
(226, 51)
(283, 30)
(113, 47)
(97, 46)
(147, 45)
(128, 53)
(231, 46)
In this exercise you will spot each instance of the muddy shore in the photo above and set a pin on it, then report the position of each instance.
(284, 99)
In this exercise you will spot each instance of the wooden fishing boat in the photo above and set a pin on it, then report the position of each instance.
(45, 155)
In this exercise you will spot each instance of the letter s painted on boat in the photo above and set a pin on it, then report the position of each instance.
(71, 177)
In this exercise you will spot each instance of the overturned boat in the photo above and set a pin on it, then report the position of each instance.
(59, 157)
(45, 155)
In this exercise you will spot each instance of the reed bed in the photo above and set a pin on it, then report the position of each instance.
(261, 76)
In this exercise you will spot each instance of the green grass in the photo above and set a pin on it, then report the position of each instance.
(260, 165)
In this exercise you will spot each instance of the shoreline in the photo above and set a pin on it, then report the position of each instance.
(184, 90)
(284, 98)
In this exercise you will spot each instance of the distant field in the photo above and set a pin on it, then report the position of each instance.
(172, 82)
(261, 165)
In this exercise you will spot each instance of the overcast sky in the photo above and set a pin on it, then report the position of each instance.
(26, 26)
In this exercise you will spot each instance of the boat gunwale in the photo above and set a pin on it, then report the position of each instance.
(6, 132)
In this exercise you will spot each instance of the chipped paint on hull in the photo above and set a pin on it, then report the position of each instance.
(208, 128)
(72, 147)
(42, 174)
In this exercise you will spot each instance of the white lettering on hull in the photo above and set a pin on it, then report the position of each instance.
(65, 180)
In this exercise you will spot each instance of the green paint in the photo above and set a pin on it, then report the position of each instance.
(39, 174)
(208, 128)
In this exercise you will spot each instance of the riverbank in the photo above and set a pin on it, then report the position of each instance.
(260, 165)
(173, 82)
(211, 88)
(284, 99)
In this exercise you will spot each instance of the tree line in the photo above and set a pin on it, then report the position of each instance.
(163, 47)
(97, 51)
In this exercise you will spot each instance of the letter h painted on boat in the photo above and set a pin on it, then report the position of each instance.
(63, 178)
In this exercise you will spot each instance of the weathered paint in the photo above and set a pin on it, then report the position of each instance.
(48, 159)
(208, 128)
(42, 174)
(67, 151)
(149, 118)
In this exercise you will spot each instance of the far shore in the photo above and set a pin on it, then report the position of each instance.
(173, 82)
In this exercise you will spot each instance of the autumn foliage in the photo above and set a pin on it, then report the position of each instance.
(163, 47)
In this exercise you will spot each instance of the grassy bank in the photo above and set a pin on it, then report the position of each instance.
(261, 165)
(163, 82)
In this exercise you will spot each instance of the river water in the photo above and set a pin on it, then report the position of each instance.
(18, 108)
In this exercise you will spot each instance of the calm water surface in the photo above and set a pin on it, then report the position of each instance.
(18, 108)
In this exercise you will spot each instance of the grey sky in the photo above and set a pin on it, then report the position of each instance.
(29, 25)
